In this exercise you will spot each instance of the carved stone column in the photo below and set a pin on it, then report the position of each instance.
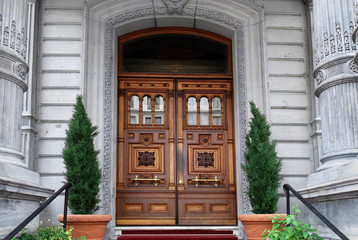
(20, 192)
(13, 73)
(336, 85)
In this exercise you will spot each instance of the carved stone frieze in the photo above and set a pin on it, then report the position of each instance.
(205, 159)
(335, 32)
(175, 5)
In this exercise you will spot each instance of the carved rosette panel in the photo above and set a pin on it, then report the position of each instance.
(205, 159)
(146, 158)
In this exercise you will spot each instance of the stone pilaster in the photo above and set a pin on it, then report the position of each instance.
(334, 187)
(316, 133)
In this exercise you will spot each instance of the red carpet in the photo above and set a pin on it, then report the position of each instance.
(177, 235)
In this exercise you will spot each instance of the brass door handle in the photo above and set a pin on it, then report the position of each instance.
(215, 180)
(137, 179)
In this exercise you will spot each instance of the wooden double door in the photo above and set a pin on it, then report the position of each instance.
(175, 160)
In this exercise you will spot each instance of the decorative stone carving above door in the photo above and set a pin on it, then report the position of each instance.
(175, 5)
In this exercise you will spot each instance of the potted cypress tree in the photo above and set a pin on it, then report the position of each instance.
(262, 168)
(83, 172)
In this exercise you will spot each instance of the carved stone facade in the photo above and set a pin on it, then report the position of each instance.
(295, 59)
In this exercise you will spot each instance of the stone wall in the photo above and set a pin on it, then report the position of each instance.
(59, 76)
(288, 88)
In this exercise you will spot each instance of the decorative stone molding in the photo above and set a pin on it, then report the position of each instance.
(340, 69)
(13, 69)
(205, 14)
(175, 5)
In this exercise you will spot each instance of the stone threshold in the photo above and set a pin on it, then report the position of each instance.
(119, 229)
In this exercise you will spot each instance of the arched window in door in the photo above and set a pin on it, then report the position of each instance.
(216, 111)
(134, 110)
(192, 111)
(204, 111)
(147, 110)
(159, 110)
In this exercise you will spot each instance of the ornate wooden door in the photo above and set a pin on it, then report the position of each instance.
(206, 170)
(175, 152)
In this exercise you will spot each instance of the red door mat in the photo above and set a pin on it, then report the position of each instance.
(177, 235)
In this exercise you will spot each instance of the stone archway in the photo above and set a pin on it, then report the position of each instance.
(239, 21)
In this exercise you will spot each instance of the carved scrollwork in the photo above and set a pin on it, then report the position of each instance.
(205, 159)
(146, 159)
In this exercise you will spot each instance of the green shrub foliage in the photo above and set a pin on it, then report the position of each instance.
(80, 157)
(262, 166)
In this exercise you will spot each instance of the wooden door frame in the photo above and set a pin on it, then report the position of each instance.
(135, 75)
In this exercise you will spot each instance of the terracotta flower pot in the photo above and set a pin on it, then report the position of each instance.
(255, 224)
(90, 226)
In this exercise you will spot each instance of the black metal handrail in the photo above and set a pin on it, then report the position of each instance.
(287, 188)
(67, 188)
